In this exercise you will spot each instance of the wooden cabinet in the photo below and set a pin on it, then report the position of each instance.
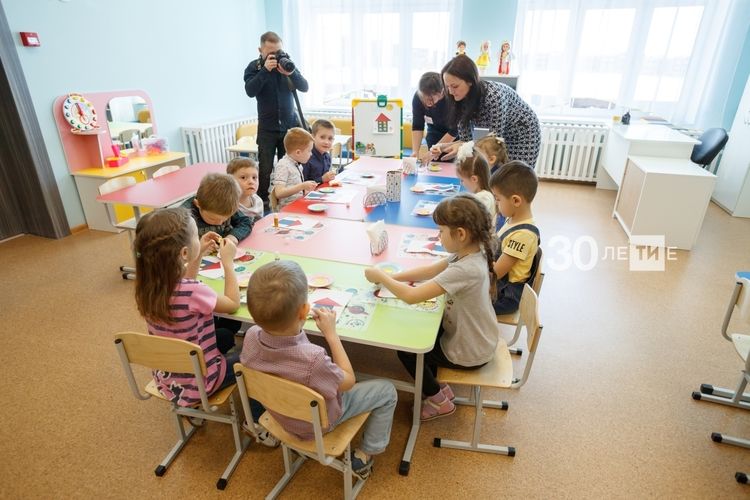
(664, 196)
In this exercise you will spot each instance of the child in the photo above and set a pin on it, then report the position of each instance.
(215, 208)
(245, 171)
(277, 300)
(318, 167)
(287, 182)
(473, 171)
(494, 149)
(468, 334)
(514, 186)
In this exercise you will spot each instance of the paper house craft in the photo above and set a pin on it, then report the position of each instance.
(383, 125)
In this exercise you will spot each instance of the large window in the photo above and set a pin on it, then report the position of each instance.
(364, 48)
(580, 56)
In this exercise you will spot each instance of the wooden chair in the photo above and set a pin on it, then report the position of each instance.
(512, 318)
(498, 373)
(297, 401)
(179, 356)
(166, 169)
(128, 225)
(739, 308)
(248, 129)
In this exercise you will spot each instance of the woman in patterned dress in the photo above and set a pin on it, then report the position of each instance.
(478, 103)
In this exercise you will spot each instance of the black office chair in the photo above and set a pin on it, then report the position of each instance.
(713, 141)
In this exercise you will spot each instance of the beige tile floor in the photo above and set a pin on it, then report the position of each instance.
(607, 412)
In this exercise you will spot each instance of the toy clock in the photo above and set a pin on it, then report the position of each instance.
(79, 113)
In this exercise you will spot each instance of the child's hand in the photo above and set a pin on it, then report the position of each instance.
(328, 176)
(325, 319)
(308, 186)
(210, 242)
(374, 275)
(227, 252)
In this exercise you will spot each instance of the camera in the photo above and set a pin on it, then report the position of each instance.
(284, 61)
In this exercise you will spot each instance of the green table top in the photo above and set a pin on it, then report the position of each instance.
(389, 324)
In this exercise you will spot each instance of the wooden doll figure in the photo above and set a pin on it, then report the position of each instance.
(504, 66)
(484, 57)
(460, 48)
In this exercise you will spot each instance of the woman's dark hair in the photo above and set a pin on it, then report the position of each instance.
(461, 112)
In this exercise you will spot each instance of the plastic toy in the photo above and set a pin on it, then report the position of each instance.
(505, 57)
(484, 57)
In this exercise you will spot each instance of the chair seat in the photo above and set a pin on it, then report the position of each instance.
(334, 443)
(741, 344)
(128, 224)
(218, 398)
(508, 319)
(496, 373)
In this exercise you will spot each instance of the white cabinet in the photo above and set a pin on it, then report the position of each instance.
(732, 191)
(639, 139)
(664, 196)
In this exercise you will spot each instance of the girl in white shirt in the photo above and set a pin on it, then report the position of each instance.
(473, 170)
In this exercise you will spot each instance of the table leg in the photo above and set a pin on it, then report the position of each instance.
(403, 469)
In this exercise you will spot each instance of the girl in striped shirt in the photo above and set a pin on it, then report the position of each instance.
(175, 304)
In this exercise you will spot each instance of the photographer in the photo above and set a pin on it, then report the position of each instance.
(270, 79)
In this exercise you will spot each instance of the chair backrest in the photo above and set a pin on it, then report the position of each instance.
(528, 312)
(127, 135)
(116, 184)
(538, 278)
(165, 170)
(743, 300)
(282, 396)
(246, 129)
(712, 140)
(161, 353)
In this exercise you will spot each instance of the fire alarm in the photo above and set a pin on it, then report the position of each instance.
(29, 39)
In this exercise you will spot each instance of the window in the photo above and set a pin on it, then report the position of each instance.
(607, 54)
(366, 48)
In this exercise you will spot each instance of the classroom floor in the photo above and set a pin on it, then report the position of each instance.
(607, 411)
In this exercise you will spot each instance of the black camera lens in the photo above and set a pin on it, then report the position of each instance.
(284, 61)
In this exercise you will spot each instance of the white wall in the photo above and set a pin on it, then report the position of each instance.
(188, 55)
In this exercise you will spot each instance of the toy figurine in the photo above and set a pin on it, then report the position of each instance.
(505, 57)
(460, 48)
(484, 57)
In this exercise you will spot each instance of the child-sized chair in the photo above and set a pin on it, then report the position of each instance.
(166, 169)
(512, 318)
(112, 185)
(498, 373)
(179, 356)
(739, 309)
(297, 401)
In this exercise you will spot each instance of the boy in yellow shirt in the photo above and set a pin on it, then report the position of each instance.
(514, 187)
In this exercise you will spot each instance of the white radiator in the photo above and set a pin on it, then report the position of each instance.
(571, 151)
(209, 143)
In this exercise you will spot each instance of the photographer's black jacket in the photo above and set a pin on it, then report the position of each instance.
(276, 108)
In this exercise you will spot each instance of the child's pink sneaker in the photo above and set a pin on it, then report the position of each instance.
(436, 406)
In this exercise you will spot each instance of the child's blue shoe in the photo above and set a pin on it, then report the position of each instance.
(360, 468)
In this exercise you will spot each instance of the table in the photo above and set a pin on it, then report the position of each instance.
(399, 213)
(88, 181)
(640, 140)
(339, 240)
(376, 165)
(664, 196)
(165, 190)
(385, 329)
(244, 148)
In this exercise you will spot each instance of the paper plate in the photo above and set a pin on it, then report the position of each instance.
(434, 168)
(389, 267)
(317, 207)
(423, 211)
(243, 279)
(417, 189)
(319, 281)
(367, 176)
(326, 190)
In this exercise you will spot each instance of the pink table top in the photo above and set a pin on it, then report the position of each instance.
(352, 211)
(338, 240)
(383, 165)
(165, 190)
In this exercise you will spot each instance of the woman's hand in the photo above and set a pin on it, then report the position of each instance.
(449, 151)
